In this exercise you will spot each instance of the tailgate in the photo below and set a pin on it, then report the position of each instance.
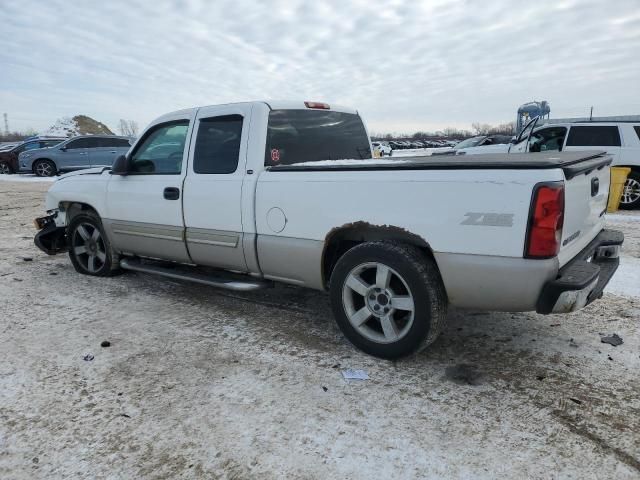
(586, 197)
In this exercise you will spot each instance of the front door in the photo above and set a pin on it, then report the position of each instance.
(144, 208)
(213, 187)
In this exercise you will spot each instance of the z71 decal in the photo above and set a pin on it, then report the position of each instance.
(488, 219)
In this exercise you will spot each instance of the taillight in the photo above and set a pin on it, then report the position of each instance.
(545, 221)
(320, 105)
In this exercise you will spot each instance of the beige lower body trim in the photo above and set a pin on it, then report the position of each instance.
(147, 239)
(494, 283)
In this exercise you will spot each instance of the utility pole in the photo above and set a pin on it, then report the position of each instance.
(6, 124)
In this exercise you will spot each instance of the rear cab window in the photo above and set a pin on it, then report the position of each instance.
(594, 136)
(302, 136)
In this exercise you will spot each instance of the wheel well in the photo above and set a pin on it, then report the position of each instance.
(342, 239)
(33, 164)
(74, 208)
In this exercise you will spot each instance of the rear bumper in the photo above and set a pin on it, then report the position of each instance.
(583, 279)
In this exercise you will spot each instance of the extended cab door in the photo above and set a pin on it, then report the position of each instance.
(213, 187)
(595, 137)
(144, 207)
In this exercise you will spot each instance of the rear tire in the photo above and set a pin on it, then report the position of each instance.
(44, 168)
(631, 194)
(90, 251)
(388, 298)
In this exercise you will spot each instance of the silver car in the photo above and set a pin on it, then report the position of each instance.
(85, 151)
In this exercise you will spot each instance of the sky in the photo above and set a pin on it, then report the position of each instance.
(406, 65)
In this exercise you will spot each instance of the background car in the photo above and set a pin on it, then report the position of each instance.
(74, 154)
(9, 157)
(382, 148)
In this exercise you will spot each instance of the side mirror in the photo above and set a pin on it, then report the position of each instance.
(120, 166)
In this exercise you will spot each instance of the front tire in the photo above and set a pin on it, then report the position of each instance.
(89, 248)
(5, 169)
(44, 168)
(388, 298)
(630, 199)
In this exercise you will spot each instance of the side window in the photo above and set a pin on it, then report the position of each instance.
(94, 142)
(79, 143)
(114, 142)
(637, 129)
(120, 142)
(49, 143)
(161, 150)
(218, 144)
(594, 136)
(30, 146)
(547, 139)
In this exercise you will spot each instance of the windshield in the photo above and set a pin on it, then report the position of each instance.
(470, 142)
(527, 129)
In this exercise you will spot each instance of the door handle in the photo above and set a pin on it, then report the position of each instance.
(113, 151)
(83, 153)
(171, 193)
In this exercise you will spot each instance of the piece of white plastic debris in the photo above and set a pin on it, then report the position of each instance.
(350, 374)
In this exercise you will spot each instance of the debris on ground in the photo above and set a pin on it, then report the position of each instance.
(27, 259)
(105, 344)
(350, 374)
(88, 357)
(573, 344)
(575, 400)
(614, 340)
(325, 388)
(464, 374)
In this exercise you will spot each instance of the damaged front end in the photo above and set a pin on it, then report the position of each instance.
(51, 238)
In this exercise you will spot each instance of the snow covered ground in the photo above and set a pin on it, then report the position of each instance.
(202, 383)
(20, 178)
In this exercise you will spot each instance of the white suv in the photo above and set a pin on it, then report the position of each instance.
(382, 148)
(619, 139)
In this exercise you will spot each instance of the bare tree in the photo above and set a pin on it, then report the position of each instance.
(128, 128)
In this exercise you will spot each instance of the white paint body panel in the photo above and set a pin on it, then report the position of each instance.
(424, 202)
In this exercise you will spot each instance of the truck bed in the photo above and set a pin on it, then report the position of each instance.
(572, 163)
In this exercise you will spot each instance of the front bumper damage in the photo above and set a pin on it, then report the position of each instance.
(51, 238)
(582, 280)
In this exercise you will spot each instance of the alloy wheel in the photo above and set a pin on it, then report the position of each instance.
(631, 191)
(378, 302)
(44, 169)
(89, 248)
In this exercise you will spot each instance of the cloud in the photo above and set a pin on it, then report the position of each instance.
(405, 65)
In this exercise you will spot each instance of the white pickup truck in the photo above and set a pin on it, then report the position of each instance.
(240, 195)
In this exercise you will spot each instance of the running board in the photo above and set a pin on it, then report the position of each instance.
(180, 273)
